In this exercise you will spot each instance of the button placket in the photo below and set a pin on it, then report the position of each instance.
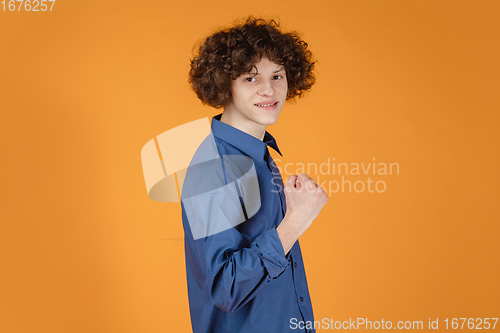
(278, 181)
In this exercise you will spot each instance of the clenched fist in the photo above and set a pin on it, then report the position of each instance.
(304, 201)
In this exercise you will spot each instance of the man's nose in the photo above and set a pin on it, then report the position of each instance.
(266, 88)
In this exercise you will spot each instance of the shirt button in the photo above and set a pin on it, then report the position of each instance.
(302, 299)
(295, 264)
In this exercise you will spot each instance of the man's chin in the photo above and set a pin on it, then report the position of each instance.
(271, 120)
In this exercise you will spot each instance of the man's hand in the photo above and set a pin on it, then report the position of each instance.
(304, 201)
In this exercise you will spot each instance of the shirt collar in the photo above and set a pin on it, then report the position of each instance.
(243, 141)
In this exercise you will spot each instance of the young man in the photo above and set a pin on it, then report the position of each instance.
(243, 260)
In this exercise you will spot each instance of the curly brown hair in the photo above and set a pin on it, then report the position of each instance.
(227, 54)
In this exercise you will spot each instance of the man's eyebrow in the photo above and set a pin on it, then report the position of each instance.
(276, 71)
(255, 74)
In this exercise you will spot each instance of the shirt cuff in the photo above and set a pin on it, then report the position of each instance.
(271, 252)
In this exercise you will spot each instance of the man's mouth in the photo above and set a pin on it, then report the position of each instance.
(265, 105)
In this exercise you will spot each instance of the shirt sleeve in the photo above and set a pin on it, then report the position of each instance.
(235, 268)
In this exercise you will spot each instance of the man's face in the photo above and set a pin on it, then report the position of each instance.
(258, 96)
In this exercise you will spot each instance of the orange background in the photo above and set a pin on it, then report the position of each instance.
(84, 87)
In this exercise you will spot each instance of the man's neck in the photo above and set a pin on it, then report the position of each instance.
(244, 124)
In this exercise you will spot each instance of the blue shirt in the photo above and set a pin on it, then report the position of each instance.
(239, 279)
